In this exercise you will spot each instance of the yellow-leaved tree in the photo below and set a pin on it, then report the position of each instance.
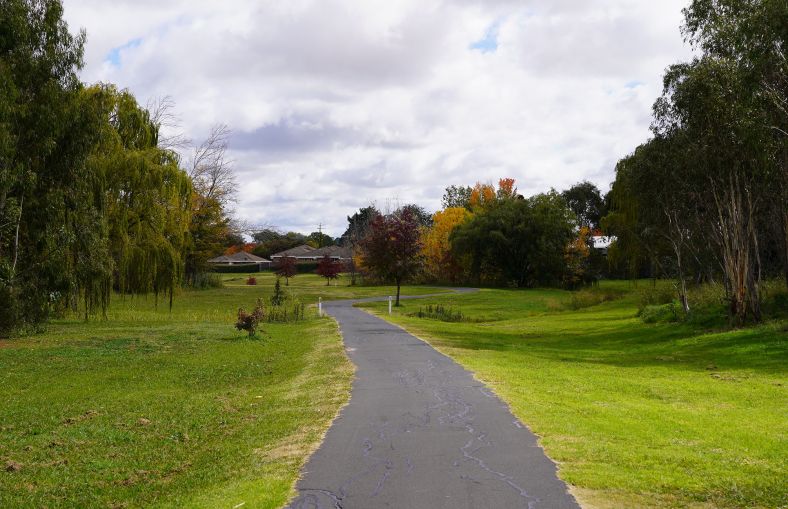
(439, 263)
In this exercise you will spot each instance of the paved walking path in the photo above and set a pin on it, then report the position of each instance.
(419, 432)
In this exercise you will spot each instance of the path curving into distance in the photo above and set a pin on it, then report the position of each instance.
(420, 432)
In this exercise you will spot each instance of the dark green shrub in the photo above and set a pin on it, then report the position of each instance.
(279, 295)
(207, 280)
(660, 313)
(707, 296)
(440, 312)
(240, 269)
(592, 297)
(9, 320)
(775, 299)
(290, 310)
(780, 302)
(656, 296)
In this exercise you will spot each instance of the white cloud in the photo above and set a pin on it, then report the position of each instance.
(337, 103)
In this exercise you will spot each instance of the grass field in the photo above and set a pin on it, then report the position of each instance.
(636, 415)
(152, 408)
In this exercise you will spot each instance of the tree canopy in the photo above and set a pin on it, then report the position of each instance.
(358, 224)
(391, 247)
(147, 196)
(517, 241)
(328, 268)
(53, 236)
(457, 197)
(586, 202)
(270, 242)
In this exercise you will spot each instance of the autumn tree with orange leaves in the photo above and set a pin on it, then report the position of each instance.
(577, 257)
(506, 189)
(485, 196)
(247, 248)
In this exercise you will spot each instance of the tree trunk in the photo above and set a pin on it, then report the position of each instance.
(398, 287)
(16, 238)
(738, 239)
(785, 246)
(682, 287)
(3, 198)
(677, 243)
(784, 235)
(682, 283)
(783, 209)
(754, 276)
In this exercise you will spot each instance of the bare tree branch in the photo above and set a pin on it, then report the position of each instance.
(162, 114)
(211, 171)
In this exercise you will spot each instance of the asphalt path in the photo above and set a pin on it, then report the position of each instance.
(421, 432)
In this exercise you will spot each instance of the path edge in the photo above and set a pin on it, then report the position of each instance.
(319, 443)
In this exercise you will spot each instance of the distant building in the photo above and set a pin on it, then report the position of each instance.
(308, 254)
(334, 252)
(602, 242)
(300, 253)
(240, 259)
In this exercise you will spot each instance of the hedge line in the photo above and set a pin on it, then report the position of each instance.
(302, 268)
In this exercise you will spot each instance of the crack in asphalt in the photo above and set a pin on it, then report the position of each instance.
(307, 500)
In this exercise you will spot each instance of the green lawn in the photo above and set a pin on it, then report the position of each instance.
(636, 415)
(156, 409)
(310, 286)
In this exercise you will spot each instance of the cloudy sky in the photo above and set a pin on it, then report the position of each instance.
(335, 104)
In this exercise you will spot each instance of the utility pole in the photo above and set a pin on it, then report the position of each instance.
(320, 235)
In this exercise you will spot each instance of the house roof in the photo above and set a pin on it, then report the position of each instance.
(295, 252)
(239, 257)
(333, 252)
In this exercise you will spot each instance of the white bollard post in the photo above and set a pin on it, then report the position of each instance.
(320, 306)
(390, 297)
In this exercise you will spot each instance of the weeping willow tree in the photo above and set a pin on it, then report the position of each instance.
(630, 252)
(146, 197)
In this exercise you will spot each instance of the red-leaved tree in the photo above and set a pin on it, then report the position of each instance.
(391, 249)
(287, 268)
(329, 268)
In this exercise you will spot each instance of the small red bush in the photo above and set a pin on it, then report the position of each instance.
(249, 321)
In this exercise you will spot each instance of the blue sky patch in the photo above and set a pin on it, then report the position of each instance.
(113, 57)
(488, 43)
(633, 84)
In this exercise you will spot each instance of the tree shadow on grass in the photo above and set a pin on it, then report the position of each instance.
(632, 344)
